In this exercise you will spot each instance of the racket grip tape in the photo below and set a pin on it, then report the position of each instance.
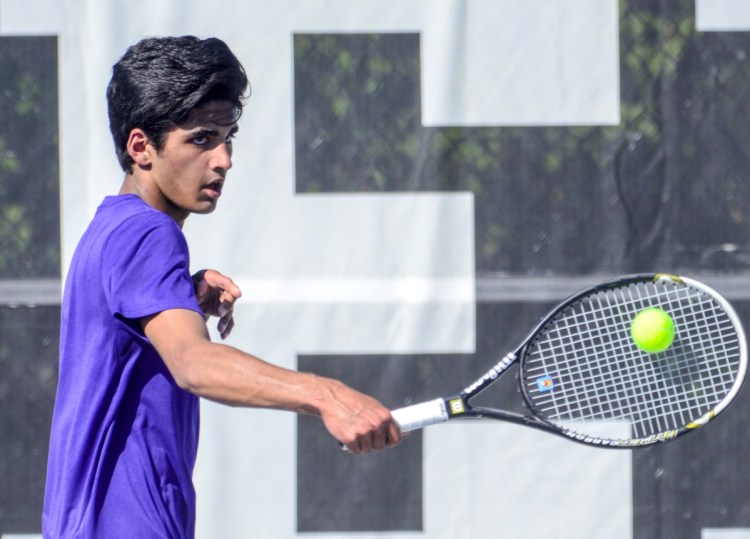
(420, 415)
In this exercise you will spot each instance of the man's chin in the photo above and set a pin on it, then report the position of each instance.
(206, 208)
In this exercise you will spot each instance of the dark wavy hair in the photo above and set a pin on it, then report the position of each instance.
(159, 80)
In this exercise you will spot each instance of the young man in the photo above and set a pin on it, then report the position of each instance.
(135, 354)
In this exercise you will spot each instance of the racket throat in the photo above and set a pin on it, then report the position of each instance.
(490, 376)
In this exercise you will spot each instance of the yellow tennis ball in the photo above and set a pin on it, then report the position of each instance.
(652, 330)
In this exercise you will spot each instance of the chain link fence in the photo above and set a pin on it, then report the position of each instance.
(665, 188)
(29, 164)
(29, 273)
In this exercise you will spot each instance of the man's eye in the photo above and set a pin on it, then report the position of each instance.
(200, 141)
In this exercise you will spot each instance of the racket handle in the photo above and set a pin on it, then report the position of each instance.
(420, 415)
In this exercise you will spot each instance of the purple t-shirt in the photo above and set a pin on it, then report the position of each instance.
(124, 435)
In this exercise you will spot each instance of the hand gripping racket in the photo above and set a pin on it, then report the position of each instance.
(582, 376)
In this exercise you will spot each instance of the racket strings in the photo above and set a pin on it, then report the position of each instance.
(584, 367)
(659, 388)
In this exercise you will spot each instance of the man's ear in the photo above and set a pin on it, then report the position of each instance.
(139, 148)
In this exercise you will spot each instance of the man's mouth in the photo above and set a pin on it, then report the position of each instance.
(214, 188)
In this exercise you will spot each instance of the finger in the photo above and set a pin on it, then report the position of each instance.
(224, 283)
(225, 319)
(378, 434)
(387, 435)
(226, 304)
(226, 308)
(365, 443)
(393, 434)
(379, 439)
(353, 447)
(225, 326)
(375, 436)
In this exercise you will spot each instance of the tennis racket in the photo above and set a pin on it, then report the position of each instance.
(582, 376)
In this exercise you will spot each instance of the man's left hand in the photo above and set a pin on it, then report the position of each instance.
(216, 296)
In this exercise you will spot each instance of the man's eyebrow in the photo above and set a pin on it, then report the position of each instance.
(211, 132)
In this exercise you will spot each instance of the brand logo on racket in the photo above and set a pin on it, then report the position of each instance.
(457, 406)
(545, 383)
(492, 374)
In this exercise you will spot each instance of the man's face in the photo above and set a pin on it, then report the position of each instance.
(189, 171)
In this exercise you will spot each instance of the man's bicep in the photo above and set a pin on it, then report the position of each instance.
(176, 333)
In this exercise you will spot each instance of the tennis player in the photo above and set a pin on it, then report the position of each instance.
(135, 353)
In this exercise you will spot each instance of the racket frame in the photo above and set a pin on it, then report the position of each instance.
(459, 405)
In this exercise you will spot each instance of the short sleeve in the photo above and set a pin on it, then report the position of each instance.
(147, 267)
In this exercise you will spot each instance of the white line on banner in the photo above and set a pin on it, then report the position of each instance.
(725, 533)
(363, 290)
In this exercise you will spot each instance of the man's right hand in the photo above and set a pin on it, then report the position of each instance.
(358, 421)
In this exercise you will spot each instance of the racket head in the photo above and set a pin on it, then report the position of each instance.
(582, 375)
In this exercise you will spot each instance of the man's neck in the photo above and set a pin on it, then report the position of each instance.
(131, 186)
